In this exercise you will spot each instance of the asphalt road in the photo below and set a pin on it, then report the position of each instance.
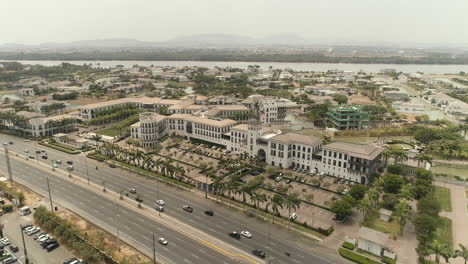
(224, 221)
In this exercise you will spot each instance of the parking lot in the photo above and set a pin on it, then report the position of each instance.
(12, 230)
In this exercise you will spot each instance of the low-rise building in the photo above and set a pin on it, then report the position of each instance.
(26, 92)
(372, 241)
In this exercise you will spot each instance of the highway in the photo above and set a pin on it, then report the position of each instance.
(224, 221)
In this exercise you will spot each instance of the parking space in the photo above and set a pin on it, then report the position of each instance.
(12, 230)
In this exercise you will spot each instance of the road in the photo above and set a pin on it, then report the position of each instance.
(224, 221)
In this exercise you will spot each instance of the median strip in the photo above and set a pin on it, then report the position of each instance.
(227, 253)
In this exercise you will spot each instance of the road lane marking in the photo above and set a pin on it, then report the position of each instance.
(219, 226)
(195, 256)
(187, 261)
(204, 252)
(227, 253)
(296, 261)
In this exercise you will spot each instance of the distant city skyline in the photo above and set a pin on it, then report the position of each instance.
(316, 22)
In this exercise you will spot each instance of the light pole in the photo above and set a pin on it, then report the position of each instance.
(37, 154)
(154, 250)
(268, 248)
(116, 227)
(26, 259)
(50, 196)
(86, 165)
(7, 158)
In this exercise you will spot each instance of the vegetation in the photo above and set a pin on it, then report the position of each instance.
(443, 196)
(53, 108)
(66, 96)
(210, 85)
(54, 146)
(355, 257)
(348, 245)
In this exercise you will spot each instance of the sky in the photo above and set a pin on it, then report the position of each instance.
(320, 21)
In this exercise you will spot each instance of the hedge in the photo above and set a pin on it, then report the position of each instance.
(388, 260)
(59, 148)
(348, 245)
(355, 257)
(97, 156)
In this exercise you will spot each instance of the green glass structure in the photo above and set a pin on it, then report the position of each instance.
(348, 117)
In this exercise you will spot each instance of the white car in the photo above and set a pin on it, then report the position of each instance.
(293, 216)
(161, 202)
(27, 229)
(58, 161)
(55, 165)
(246, 234)
(26, 150)
(162, 241)
(5, 241)
(44, 238)
(33, 231)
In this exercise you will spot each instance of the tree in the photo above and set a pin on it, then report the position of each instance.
(425, 226)
(392, 183)
(438, 249)
(341, 209)
(407, 191)
(245, 189)
(462, 253)
(365, 206)
(358, 191)
(340, 98)
(292, 201)
(402, 211)
(231, 186)
(423, 158)
(429, 205)
(276, 202)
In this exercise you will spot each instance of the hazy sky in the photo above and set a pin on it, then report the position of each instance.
(416, 21)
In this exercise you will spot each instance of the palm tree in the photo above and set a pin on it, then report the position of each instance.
(438, 249)
(292, 201)
(462, 252)
(374, 195)
(276, 201)
(231, 186)
(423, 158)
(245, 189)
(257, 198)
(406, 192)
(139, 157)
(403, 213)
(365, 206)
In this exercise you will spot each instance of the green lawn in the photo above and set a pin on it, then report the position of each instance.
(444, 233)
(466, 193)
(443, 196)
(108, 132)
(392, 227)
(306, 131)
(460, 172)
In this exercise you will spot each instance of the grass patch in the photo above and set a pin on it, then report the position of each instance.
(60, 148)
(444, 233)
(111, 132)
(443, 196)
(355, 257)
(97, 156)
(348, 245)
(466, 193)
(373, 221)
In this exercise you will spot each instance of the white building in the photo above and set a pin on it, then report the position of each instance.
(372, 241)
(26, 92)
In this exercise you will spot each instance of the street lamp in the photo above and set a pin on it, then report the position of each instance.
(7, 158)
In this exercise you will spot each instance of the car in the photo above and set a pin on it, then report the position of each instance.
(33, 231)
(23, 227)
(26, 150)
(10, 259)
(40, 235)
(11, 142)
(55, 165)
(42, 150)
(52, 246)
(44, 156)
(235, 235)
(259, 253)
(187, 208)
(31, 157)
(13, 248)
(47, 242)
(246, 234)
(336, 219)
(78, 261)
(44, 238)
(162, 241)
(161, 202)
(38, 152)
(288, 181)
(70, 168)
(255, 173)
(112, 165)
(133, 191)
(209, 212)
(70, 260)
(58, 161)
(5, 241)
(69, 162)
(279, 178)
(159, 208)
(293, 216)
(139, 199)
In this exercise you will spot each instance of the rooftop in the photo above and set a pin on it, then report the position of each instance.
(205, 121)
(292, 137)
(372, 235)
(368, 152)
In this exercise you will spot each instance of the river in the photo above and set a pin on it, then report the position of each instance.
(373, 68)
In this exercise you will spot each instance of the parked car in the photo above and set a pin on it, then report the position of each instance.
(26, 150)
(288, 181)
(246, 234)
(44, 156)
(209, 212)
(52, 246)
(70, 260)
(5, 241)
(259, 253)
(162, 241)
(279, 178)
(187, 208)
(23, 227)
(33, 231)
(255, 173)
(10, 259)
(11, 142)
(159, 208)
(235, 235)
(14, 248)
(47, 242)
(293, 216)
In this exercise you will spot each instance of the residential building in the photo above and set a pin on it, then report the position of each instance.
(26, 92)
(348, 117)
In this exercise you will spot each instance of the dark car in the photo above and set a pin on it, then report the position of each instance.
(70, 260)
(209, 212)
(139, 199)
(11, 142)
(52, 246)
(187, 208)
(255, 173)
(70, 162)
(48, 242)
(159, 208)
(258, 253)
(14, 248)
(31, 157)
(235, 235)
(38, 152)
(112, 165)
(44, 157)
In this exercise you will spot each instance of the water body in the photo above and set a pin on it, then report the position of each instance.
(373, 68)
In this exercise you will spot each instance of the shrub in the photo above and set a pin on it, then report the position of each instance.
(388, 260)
(389, 200)
(7, 208)
(353, 256)
(394, 169)
(348, 245)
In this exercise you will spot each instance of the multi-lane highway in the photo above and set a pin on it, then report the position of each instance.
(224, 221)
